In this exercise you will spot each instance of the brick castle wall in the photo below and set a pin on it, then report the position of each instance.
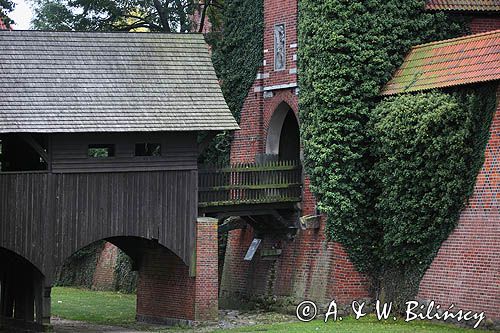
(104, 275)
(466, 271)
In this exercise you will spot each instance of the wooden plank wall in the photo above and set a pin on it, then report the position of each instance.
(179, 151)
(24, 199)
(46, 217)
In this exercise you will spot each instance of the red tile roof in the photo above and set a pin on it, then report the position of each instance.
(452, 62)
(464, 5)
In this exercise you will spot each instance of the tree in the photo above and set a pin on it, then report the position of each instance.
(121, 15)
(6, 6)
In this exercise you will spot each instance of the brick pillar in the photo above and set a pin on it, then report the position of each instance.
(207, 270)
(165, 291)
(168, 294)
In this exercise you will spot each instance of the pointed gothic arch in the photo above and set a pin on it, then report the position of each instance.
(283, 135)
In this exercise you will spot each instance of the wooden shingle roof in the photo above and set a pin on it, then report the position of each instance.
(108, 82)
(458, 61)
(464, 5)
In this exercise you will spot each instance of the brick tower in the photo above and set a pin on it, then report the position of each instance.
(306, 265)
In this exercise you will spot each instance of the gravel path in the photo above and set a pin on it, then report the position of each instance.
(72, 326)
(228, 319)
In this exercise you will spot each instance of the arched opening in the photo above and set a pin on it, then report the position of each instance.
(164, 287)
(283, 136)
(21, 292)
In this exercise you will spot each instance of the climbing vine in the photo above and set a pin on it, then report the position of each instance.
(348, 51)
(78, 269)
(237, 55)
(429, 148)
(125, 277)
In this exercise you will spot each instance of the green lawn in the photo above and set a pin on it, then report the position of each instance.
(98, 307)
(113, 308)
(365, 325)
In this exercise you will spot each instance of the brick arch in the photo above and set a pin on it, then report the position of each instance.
(283, 96)
(274, 114)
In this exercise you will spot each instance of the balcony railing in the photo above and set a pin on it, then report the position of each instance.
(250, 183)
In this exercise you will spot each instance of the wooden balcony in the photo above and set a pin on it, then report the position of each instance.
(249, 186)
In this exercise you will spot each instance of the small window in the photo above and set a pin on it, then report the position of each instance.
(101, 151)
(147, 149)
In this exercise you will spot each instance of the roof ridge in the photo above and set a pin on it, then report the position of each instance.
(456, 39)
(106, 32)
(487, 6)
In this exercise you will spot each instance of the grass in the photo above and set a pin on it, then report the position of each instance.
(111, 308)
(350, 325)
(99, 307)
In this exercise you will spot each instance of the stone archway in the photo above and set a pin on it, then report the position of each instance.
(283, 135)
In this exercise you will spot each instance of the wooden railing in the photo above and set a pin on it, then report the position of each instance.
(250, 183)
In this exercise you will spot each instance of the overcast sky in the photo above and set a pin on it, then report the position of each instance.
(21, 15)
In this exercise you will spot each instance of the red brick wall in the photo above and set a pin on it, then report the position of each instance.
(309, 266)
(104, 275)
(466, 271)
(167, 294)
(484, 23)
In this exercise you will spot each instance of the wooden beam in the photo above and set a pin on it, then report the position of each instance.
(232, 223)
(36, 146)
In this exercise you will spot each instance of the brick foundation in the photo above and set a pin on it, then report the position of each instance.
(167, 294)
(466, 271)
(308, 267)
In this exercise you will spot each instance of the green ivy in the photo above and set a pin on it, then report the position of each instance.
(78, 269)
(237, 55)
(348, 51)
(125, 277)
(429, 148)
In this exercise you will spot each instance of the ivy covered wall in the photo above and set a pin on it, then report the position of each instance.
(429, 148)
(348, 51)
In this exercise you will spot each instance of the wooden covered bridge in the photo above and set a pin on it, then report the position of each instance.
(98, 139)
